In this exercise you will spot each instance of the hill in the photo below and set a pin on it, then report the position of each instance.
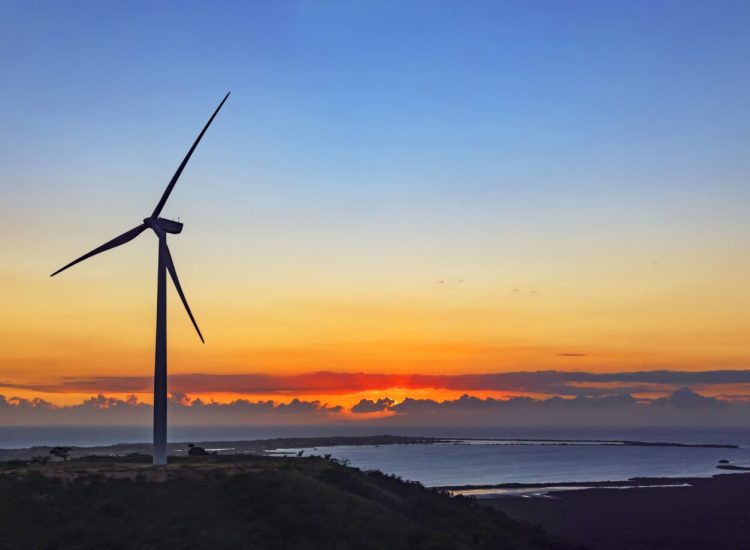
(240, 502)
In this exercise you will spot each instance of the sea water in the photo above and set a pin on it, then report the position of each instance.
(575, 457)
(486, 464)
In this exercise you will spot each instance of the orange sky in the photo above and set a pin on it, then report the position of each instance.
(97, 320)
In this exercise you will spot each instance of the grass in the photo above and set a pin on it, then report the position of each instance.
(239, 502)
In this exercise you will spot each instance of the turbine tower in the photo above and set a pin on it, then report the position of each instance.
(161, 227)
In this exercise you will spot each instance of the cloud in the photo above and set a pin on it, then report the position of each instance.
(179, 398)
(683, 407)
(369, 406)
(105, 410)
(685, 398)
(21, 403)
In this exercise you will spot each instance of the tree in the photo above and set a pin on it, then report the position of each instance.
(62, 453)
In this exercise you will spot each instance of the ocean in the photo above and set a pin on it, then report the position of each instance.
(475, 462)
(551, 458)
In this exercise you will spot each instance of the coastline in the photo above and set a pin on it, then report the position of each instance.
(515, 490)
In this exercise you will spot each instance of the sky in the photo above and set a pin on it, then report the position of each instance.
(394, 191)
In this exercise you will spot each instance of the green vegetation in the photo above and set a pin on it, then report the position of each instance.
(239, 502)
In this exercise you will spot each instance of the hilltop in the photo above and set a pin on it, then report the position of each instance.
(240, 501)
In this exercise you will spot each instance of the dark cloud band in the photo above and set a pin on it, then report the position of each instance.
(541, 382)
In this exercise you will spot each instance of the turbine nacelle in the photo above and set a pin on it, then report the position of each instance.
(168, 226)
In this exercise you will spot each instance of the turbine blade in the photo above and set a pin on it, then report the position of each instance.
(117, 241)
(176, 176)
(176, 281)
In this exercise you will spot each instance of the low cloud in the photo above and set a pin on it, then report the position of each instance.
(103, 410)
(683, 407)
(685, 398)
(369, 406)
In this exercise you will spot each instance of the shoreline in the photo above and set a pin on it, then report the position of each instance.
(633, 481)
(545, 490)
(583, 442)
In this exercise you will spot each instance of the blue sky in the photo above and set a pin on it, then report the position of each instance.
(361, 100)
(533, 112)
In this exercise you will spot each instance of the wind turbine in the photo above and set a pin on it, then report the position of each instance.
(161, 227)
